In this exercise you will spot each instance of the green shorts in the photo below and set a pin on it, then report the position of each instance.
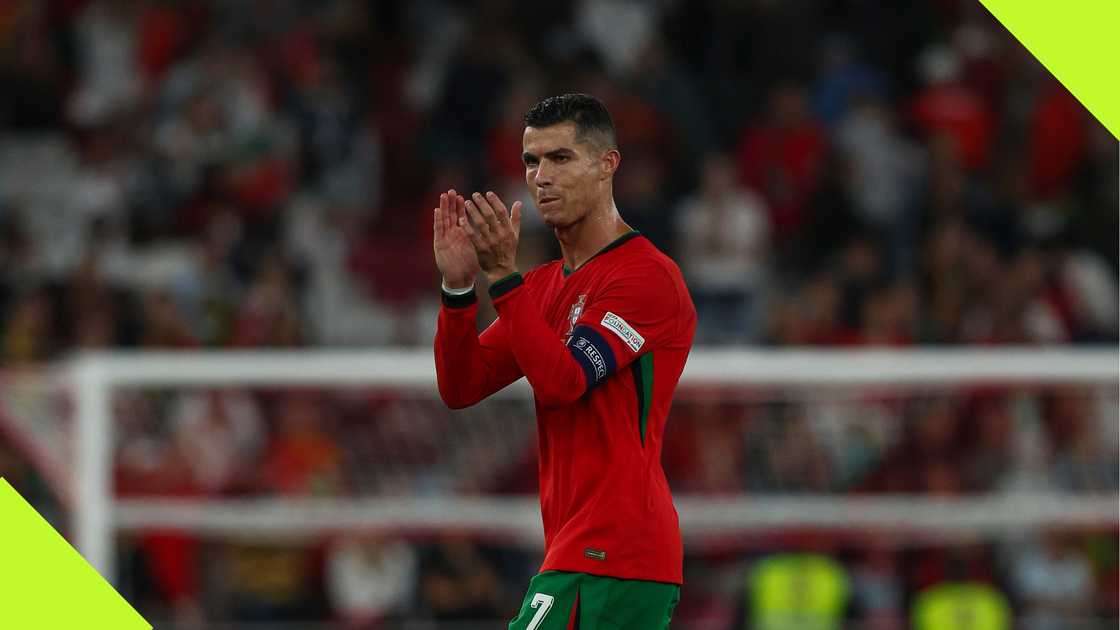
(558, 600)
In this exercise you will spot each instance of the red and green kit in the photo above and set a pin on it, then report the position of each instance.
(603, 347)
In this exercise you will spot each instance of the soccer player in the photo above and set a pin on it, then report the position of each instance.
(602, 336)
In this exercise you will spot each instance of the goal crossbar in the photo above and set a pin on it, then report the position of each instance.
(701, 516)
(412, 368)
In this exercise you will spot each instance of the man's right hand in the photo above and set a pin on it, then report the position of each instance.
(455, 255)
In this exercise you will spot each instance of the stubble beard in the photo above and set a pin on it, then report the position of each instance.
(561, 220)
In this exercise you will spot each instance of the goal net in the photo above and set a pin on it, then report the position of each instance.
(845, 453)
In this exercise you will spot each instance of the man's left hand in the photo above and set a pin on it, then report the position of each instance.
(494, 231)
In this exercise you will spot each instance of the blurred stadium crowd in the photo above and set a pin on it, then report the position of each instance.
(260, 173)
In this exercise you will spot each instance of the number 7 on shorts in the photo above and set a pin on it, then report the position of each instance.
(543, 603)
(548, 603)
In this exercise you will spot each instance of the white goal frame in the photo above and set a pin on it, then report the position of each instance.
(98, 515)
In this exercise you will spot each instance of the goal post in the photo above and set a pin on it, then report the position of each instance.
(98, 514)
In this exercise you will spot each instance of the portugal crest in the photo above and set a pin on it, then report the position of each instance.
(573, 315)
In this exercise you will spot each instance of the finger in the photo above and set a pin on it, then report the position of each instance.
(460, 208)
(500, 210)
(472, 233)
(515, 218)
(476, 218)
(449, 211)
(487, 212)
(460, 213)
(438, 228)
(441, 212)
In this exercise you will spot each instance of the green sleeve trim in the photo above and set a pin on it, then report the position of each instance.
(642, 369)
(505, 285)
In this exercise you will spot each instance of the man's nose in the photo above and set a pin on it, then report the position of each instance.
(543, 176)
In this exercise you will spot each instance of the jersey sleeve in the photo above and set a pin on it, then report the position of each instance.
(632, 314)
(470, 366)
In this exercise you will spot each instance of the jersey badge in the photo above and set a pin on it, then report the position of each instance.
(573, 315)
(625, 332)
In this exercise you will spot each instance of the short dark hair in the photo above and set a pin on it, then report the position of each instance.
(592, 120)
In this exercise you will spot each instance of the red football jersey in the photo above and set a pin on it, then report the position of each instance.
(603, 348)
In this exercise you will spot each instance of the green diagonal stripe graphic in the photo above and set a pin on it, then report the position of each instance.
(45, 584)
(1078, 42)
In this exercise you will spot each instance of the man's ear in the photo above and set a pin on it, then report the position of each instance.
(609, 163)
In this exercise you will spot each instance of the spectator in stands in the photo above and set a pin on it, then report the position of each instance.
(340, 310)
(110, 81)
(221, 435)
(163, 324)
(810, 315)
(989, 436)
(270, 315)
(944, 605)
(949, 108)
(302, 457)
(724, 235)
(927, 457)
(882, 169)
(269, 583)
(843, 81)
(206, 286)
(704, 452)
(641, 195)
(370, 580)
(1084, 453)
(784, 454)
(782, 158)
(1083, 279)
(877, 587)
(857, 436)
(889, 316)
(664, 84)
(27, 329)
(150, 462)
(786, 591)
(459, 583)
(1053, 581)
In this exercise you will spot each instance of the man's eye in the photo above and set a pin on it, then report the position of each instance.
(561, 158)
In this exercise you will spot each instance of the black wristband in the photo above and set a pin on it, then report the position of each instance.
(463, 300)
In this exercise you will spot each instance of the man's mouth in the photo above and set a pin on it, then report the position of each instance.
(547, 199)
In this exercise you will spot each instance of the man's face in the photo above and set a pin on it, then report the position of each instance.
(564, 174)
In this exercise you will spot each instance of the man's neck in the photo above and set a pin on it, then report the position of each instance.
(580, 241)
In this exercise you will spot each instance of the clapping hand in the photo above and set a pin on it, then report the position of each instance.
(454, 250)
(494, 232)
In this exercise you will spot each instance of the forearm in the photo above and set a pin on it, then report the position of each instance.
(555, 376)
(465, 371)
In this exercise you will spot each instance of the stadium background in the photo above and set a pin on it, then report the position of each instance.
(260, 174)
